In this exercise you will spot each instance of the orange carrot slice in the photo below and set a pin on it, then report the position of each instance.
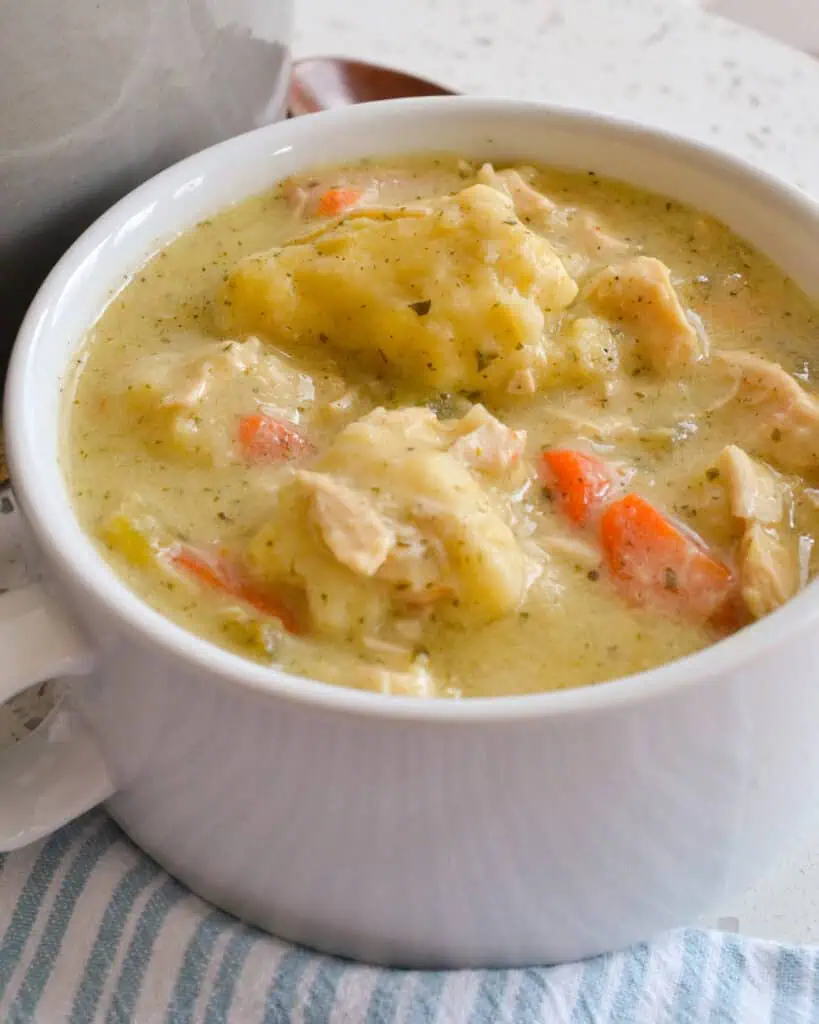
(264, 438)
(658, 563)
(223, 575)
(731, 616)
(271, 603)
(580, 482)
(210, 573)
(336, 200)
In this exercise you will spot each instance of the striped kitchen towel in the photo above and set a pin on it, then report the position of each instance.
(93, 930)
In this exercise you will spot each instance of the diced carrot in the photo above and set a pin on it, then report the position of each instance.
(223, 575)
(265, 439)
(657, 563)
(580, 482)
(210, 573)
(335, 200)
(731, 616)
(271, 603)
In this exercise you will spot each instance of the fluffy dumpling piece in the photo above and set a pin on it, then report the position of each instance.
(188, 403)
(587, 353)
(400, 515)
(454, 294)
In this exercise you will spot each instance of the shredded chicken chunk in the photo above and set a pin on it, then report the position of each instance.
(590, 423)
(530, 205)
(768, 575)
(787, 417)
(486, 444)
(522, 382)
(770, 559)
(755, 492)
(639, 294)
(575, 549)
(351, 527)
(185, 380)
(417, 563)
(590, 236)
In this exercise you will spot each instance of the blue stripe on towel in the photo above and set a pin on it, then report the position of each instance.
(138, 955)
(593, 984)
(689, 988)
(194, 967)
(227, 977)
(814, 1002)
(632, 985)
(31, 899)
(319, 1006)
(426, 998)
(791, 982)
(105, 947)
(48, 948)
(490, 997)
(530, 997)
(281, 995)
(384, 997)
(730, 975)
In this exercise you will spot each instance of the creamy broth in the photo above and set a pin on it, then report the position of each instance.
(330, 458)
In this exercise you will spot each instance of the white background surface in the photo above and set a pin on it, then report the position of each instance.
(666, 63)
(793, 21)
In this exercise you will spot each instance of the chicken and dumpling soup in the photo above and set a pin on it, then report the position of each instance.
(430, 427)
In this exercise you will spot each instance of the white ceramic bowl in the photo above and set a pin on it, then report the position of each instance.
(501, 831)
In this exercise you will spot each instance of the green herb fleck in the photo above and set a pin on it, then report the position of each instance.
(483, 359)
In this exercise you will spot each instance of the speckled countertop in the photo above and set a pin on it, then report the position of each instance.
(663, 62)
(660, 61)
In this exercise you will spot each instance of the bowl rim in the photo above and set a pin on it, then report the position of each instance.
(62, 540)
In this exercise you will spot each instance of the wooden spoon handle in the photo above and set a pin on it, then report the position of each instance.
(321, 83)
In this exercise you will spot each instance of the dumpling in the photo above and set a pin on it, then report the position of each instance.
(400, 513)
(187, 403)
(453, 294)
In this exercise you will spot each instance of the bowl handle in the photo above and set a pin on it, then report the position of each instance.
(56, 773)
